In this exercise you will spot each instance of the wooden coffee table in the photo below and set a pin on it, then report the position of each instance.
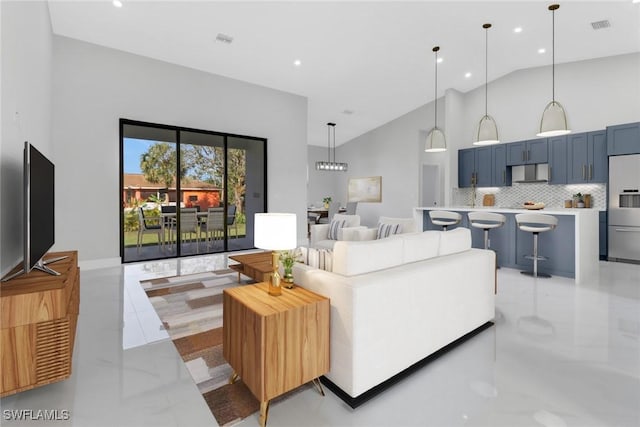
(275, 343)
(256, 265)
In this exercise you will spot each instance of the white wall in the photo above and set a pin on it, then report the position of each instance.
(595, 93)
(322, 184)
(95, 86)
(25, 112)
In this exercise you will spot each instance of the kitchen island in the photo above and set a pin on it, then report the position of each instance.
(572, 248)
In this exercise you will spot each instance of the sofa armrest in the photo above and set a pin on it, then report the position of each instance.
(318, 232)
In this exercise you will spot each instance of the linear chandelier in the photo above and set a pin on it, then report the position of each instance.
(331, 165)
(435, 142)
(487, 128)
(554, 118)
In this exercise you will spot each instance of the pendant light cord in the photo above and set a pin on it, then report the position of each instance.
(435, 49)
(328, 143)
(486, 69)
(553, 55)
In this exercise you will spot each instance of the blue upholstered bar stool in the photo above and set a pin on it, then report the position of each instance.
(536, 223)
(486, 221)
(445, 218)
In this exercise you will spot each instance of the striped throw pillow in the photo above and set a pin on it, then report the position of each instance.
(333, 229)
(386, 230)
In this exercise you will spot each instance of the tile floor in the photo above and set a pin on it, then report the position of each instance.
(558, 355)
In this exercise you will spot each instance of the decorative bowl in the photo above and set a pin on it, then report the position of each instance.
(535, 206)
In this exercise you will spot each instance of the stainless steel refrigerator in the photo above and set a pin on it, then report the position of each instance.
(624, 208)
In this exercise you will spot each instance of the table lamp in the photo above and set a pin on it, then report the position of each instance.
(275, 232)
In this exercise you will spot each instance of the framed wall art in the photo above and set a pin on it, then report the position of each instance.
(367, 189)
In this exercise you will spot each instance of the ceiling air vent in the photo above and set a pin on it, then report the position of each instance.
(598, 25)
(224, 38)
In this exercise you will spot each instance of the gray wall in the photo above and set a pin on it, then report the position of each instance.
(595, 93)
(26, 90)
(321, 184)
(95, 87)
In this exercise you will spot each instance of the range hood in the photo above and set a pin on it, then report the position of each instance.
(528, 174)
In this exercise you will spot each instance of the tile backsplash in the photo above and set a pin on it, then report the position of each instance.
(553, 196)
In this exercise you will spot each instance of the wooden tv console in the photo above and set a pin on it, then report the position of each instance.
(38, 317)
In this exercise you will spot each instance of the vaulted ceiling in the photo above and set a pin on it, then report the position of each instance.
(362, 63)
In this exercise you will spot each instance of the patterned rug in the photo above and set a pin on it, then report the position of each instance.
(190, 308)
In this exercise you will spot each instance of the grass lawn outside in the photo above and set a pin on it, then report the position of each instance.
(131, 237)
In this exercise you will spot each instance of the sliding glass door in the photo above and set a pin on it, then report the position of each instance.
(208, 209)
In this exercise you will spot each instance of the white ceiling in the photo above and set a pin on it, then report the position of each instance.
(373, 58)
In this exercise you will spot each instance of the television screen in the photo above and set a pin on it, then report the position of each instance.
(39, 224)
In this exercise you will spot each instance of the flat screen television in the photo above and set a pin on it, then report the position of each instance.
(39, 211)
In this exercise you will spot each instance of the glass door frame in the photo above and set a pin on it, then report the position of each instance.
(178, 130)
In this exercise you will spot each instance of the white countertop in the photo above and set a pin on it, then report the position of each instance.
(550, 211)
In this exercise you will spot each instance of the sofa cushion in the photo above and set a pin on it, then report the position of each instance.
(334, 228)
(421, 246)
(386, 230)
(453, 241)
(352, 258)
(350, 220)
(408, 224)
(317, 258)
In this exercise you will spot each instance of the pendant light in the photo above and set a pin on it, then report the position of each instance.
(487, 128)
(331, 165)
(435, 139)
(554, 118)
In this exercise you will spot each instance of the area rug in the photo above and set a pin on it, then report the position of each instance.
(190, 308)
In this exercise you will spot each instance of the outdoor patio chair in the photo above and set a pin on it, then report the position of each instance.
(231, 220)
(214, 227)
(146, 226)
(189, 224)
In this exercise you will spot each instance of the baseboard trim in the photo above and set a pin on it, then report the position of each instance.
(354, 402)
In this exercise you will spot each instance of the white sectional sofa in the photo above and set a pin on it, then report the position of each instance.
(395, 301)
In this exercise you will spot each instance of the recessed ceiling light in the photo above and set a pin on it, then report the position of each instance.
(467, 75)
(439, 60)
(542, 50)
(297, 63)
(517, 30)
(347, 112)
(117, 3)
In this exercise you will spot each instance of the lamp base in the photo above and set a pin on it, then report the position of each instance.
(274, 284)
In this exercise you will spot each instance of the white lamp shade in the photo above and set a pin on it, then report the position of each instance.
(435, 141)
(487, 132)
(275, 231)
(554, 120)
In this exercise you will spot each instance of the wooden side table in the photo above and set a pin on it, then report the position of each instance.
(38, 317)
(275, 343)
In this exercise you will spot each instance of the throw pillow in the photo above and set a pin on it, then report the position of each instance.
(333, 229)
(386, 230)
(319, 258)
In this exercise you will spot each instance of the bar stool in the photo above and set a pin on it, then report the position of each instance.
(445, 218)
(536, 223)
(486, 221)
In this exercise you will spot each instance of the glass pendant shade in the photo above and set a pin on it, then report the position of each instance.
(554, 120)
(487, 132)
(435, 142)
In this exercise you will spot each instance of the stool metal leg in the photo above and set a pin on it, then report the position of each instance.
(486, 238)
(535, 258)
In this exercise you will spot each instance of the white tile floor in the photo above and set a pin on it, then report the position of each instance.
(558, 355)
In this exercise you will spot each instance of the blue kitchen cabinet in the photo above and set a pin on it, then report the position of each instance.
(501, 174)
(623, 139)
(475, 165)
(602, 226)
(483, 166)
(557, 159)
(466, 166)
(587, 157)
(527, 152)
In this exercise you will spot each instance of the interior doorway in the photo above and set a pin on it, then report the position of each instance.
(430, 185)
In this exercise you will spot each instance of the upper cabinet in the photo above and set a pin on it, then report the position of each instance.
(587, 161)
(527, 152)
(475, 166)
(557, 159)
(501, 174)
(623, 139)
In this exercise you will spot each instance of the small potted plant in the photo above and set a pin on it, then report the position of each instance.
(288, 258)
(326, 202)
(578, 199)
